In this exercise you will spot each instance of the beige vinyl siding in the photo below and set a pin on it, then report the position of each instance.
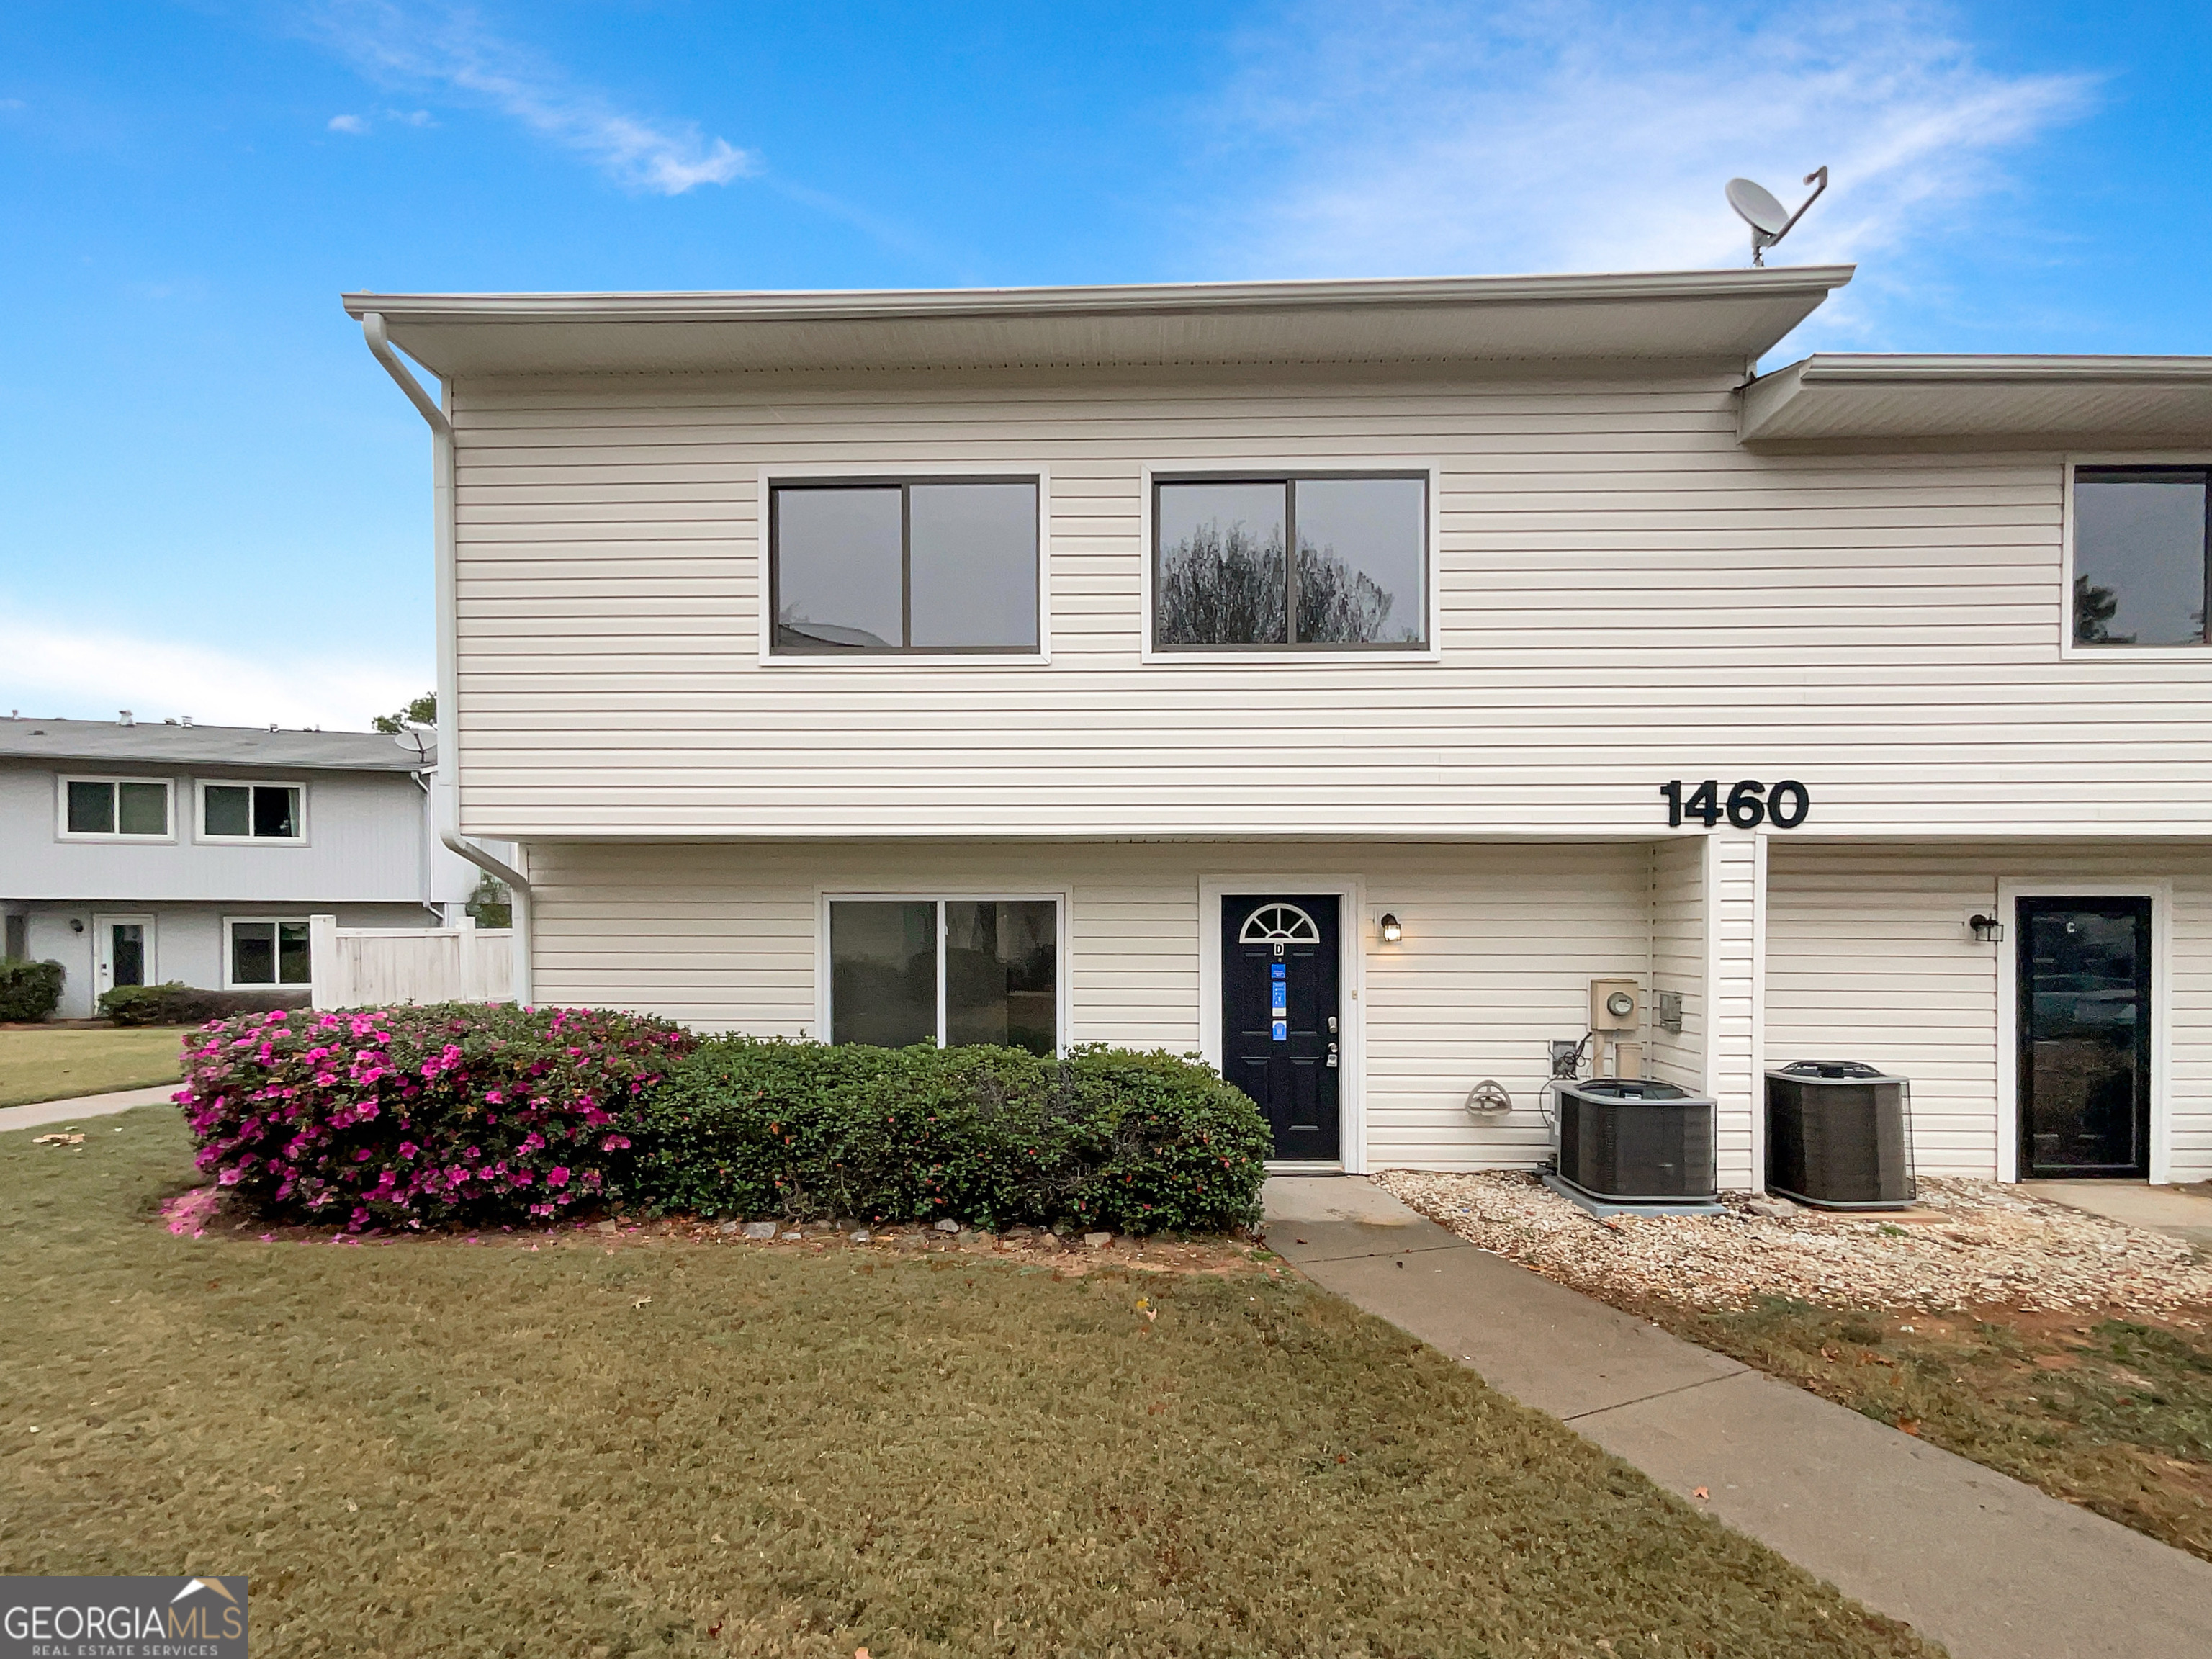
(1501, 942)
(1678, 959)
(1626, 596)
(1734, 880)
(1869, 957)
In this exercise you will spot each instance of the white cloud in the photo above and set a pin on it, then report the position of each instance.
(55, 672)
(445, 47)
(352, 124)
(1579, 136)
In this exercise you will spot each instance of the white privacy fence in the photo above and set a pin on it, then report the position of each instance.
(375, 967)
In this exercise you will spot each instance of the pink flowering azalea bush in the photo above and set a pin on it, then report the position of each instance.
(459, 1113)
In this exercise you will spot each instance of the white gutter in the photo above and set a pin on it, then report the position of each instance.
(445, 786)
(1139, 299)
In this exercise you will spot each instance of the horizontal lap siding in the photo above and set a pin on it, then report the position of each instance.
(1500, 944)
(1869, 957)
(1625, 596)
(1678, 959)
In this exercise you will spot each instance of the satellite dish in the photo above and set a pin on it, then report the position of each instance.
(416, 740)
(1769, 219)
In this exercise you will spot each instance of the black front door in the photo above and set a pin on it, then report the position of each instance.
(2084, 1037)
(1280, 1020)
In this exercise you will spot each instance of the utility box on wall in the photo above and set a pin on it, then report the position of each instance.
(1616, 1004)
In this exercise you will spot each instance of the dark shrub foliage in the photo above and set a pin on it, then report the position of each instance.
(1106, 1139)
(458, 1112)
(29, 990)
(174, 1003)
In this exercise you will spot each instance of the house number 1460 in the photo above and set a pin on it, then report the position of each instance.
(1749, 804)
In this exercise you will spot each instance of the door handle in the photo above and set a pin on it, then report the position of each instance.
(1332, 1056)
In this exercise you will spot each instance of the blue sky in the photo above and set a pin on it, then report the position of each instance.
(213, 503)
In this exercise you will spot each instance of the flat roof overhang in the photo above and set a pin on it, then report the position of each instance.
(1725, 316)
(1843, 402)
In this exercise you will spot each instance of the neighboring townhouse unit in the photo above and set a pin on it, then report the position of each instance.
(1054, 666)
(136, 853)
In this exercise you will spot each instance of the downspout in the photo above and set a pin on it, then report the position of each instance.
(445, 786)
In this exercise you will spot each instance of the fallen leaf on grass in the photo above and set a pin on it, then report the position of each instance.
(58, 1140)
(640, 1301)
(1909, 1426)
(1701, 1493)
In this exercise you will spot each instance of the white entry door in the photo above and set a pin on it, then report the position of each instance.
(122, 952)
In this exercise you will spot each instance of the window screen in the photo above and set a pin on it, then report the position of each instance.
(1323, 561)
(2140, 570)
(930, 565)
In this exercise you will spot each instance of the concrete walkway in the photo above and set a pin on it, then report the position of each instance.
(2183, 1212)
(39, 1115)
(1990, 1567)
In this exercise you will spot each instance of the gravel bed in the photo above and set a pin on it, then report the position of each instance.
(1992, 1247)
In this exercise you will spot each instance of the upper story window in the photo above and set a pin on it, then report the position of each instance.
(115, 809)
(253, 812)
(1224, 576)
(921, 566)
(2140, 574)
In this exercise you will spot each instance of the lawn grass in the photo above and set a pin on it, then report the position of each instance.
(58, 1062)
(667, 1446)
(2113, 1414)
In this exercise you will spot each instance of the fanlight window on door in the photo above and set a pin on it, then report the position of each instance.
(1278, 924)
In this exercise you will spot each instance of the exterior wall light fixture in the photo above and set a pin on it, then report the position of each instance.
(1392, 932)
(1988, 930)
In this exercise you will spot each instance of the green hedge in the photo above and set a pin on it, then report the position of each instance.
(1107, 1138)
(174, 1003)
(29, 990)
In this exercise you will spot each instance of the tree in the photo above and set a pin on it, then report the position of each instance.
(1218, 589)
(491, 904)
(423, 711)
(2093, 607)
(1221, 588)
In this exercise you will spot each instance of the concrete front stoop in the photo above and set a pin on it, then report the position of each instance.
(1989, 1566)
(2185, 1212)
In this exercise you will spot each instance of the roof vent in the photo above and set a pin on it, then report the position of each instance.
(272, 725)
(184, 719)
(123, 717)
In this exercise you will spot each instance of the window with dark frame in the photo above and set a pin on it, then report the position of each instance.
(945, 971)
(1225, 576)
(254, 812)
(922, 566)
(116, 806)
(2143, 555)
(269, 953)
